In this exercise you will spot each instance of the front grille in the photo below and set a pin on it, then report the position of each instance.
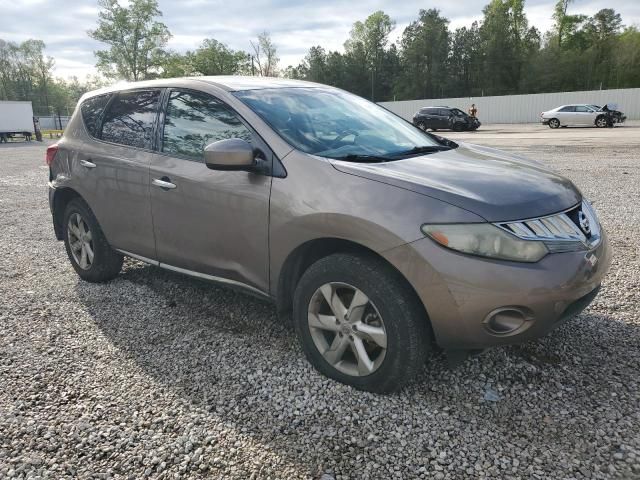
(569, 231)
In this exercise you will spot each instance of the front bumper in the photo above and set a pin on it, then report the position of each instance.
(461, 292)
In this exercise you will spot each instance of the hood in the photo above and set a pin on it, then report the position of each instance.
(495, 185)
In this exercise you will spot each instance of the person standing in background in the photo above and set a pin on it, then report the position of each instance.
(473, 111)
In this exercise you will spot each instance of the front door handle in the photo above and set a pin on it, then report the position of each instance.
(87, 164)
(164, 183)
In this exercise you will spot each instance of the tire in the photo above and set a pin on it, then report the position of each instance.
(393, 316)
(601, 122)
(83, 235)
(554, 123)
(458, 127)
(434, 129)
(422, 126)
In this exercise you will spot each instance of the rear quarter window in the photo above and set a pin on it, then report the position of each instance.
(92, 109)
(130, 118)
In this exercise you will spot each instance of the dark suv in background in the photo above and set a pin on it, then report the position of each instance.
(445, 118)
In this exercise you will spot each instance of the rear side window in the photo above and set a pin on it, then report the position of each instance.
(130, 118)
(567, 109)
(194, 120)
(91, 110)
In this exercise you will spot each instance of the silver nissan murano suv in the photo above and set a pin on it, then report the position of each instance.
(378, 240)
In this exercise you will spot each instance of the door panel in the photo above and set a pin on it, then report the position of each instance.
(566, 115)
(119, 194)
(212, 222)
(584, 116)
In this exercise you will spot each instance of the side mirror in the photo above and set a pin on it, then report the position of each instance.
(230, 154)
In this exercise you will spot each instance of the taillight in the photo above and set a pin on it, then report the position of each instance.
(51, 153)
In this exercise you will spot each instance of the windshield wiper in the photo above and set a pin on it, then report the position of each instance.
(362, 158)
(422, 149)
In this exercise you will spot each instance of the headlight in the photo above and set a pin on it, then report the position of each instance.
(485, 240)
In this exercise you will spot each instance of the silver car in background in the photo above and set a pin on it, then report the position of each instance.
(579, 114)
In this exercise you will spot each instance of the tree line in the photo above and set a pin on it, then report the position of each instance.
(500, 55)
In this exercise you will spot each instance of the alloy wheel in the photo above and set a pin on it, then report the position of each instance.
(554, 123)
(80, 241)
(601, 122)
(347, 329)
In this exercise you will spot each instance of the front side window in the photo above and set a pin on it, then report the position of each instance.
(194, 120)
(583, 109)
(130, 118)
(91, 110)
(334, 124)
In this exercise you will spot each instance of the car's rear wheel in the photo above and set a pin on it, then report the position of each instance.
(89, 252)
(554, 123)
(359, 323)
(421, 126)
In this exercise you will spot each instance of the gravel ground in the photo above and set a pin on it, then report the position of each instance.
(162, 376)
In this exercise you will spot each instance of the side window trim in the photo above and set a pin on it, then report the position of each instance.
(276, 169)
(154, 127)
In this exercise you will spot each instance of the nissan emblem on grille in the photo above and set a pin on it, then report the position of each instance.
(584, 223)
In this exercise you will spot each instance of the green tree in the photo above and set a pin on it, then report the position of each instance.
(565, 25)
(134, 37)
(367, 44)
(215, 58)
(424, 57)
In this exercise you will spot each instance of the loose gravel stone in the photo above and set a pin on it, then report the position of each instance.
(156, 375)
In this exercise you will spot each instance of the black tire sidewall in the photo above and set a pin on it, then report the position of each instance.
(554, 123)
(105, 260)
(393, 303)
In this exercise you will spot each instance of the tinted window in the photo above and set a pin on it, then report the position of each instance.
(444, 113)
(130, 118)
(194, 120)
(91, 110)
(567, 109)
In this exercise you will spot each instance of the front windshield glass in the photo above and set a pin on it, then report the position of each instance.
(335, 124)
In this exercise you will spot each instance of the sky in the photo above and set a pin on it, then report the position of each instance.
(294, 25)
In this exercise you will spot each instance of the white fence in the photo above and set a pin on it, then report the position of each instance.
(53, 123)
(525, 108)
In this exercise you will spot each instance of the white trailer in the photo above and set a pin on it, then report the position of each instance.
(16, 118)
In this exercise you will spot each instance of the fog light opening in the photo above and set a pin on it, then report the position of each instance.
(505, 321)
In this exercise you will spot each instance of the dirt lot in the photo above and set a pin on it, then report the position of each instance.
(161, 376)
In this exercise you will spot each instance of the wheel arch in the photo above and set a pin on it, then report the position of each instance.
(303, 256)
(61, 198)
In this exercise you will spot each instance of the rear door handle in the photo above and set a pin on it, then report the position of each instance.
(87, 164)
(164, 183)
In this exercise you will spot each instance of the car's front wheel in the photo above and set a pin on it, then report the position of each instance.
(554, 123)
(89, 252)
(359, 323)
(602, 122)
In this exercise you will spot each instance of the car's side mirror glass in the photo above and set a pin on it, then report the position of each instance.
(229, 154)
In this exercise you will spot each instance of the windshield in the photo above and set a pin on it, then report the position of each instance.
(336, 124)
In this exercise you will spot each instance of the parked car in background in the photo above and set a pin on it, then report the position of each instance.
(582, 114)
(377, 239)
(445, 118)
